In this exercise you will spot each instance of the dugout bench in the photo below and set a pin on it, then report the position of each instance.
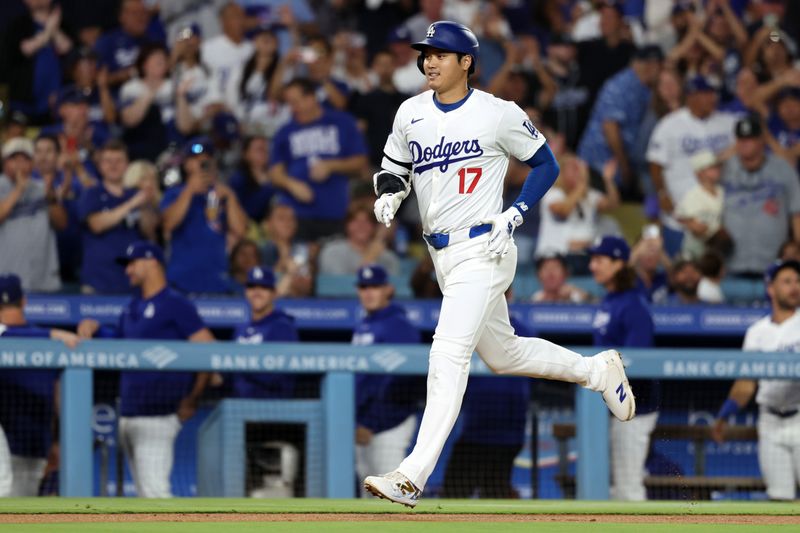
(694, 487)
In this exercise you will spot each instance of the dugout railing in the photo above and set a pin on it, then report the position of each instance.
(338, 363)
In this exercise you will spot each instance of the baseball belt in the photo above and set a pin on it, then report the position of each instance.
(443, 240)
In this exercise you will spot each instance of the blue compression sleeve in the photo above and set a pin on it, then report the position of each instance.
(544, 171)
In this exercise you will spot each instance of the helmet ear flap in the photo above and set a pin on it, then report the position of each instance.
(420, 61)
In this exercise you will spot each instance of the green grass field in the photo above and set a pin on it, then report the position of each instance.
(127, 506)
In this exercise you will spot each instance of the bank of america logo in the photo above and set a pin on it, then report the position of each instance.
(160, 356)
(389, 360)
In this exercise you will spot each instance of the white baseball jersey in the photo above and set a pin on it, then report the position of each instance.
(678, 136)
(459, 158)
(766, 336)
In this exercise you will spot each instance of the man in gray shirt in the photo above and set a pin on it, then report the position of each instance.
(29, 212)
(762, 201)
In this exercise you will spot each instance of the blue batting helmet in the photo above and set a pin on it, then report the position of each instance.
(450, 36)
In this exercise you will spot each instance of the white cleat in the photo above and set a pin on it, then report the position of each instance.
(618, 394)
(395, 487)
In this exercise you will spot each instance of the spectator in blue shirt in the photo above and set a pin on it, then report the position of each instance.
(624, 319)
(199, 217)
(86, 78)
(119, 48)
(30, 64)
(784, 125)
(267, 324)
(27, 401)
(617, 114)
(386, 405)
(154, 405)
(110, 214)
(493, 433)
(321, 148)
(251, 182)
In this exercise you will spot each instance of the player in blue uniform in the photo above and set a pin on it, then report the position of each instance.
(386, 405)
(27, 400)
(494, 412)
(154, 404)
(624, 319)
(266, 324)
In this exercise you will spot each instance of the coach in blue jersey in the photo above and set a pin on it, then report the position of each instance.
(154, 404)
(27, 400)
(493, 433)
(385, 404)
(320, 147)
(624, 319)
(200, 216)
(266, 324)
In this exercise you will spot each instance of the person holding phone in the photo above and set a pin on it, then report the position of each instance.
(199, 217)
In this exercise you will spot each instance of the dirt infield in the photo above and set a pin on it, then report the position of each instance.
(394, 517)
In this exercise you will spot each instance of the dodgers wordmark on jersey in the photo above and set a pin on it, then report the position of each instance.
(767, 336)
(459, 157)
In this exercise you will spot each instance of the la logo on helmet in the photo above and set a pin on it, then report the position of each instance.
(431, 30)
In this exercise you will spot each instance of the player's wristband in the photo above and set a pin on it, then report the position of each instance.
(730, 407)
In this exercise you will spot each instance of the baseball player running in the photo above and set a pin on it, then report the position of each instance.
(452, 145)
(778, 399)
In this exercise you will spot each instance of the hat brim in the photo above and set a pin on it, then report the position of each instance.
(259, 286)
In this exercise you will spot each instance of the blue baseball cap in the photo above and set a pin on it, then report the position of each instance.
(189, 31)
(141, 250)
(777, 266)
(611, 246)
(400, 34)
(699, 84)
(372, 276)
(261, 277)
(198, 145)
(225, 126)
(72, 95)
(10, 289)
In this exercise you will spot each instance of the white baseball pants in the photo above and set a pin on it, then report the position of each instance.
(779, 454)
(385, 450)
(149, 443)
(474, 316)
(19, 476)
(630, 442)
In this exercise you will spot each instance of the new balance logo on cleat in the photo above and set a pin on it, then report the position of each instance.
(619, 398)
(621, 393)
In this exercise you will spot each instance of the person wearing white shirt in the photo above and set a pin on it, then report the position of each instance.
(227, 53)
(700, 210)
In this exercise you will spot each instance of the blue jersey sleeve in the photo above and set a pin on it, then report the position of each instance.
(543, 174)
(169, 197)
(280, 152)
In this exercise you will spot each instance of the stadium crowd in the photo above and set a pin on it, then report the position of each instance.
(245, 133)
(240, 137)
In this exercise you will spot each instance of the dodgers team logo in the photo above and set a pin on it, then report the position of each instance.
(531, 129)
(431, 31)
(443, 154)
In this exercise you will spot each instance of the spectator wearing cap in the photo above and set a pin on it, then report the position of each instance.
(86, 78)
(226, 53)
(199, 217)
(552, 273)
(27, 400)
(153, 405)
(79, 137)
(65, 188)
(617, 115)
(322, 148)
(386, 405)
(118, 49)
(778, 400)
(700, 210)
(32, 46)
(29, 214)
(784, 126)
(406, 76)
(147, 105)
(570, 209)
(110, 214)
(762, 201)
(376, 109)
(364, 242)
(677, 136)
(624, 320)
(603, 57)
(266, 324)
